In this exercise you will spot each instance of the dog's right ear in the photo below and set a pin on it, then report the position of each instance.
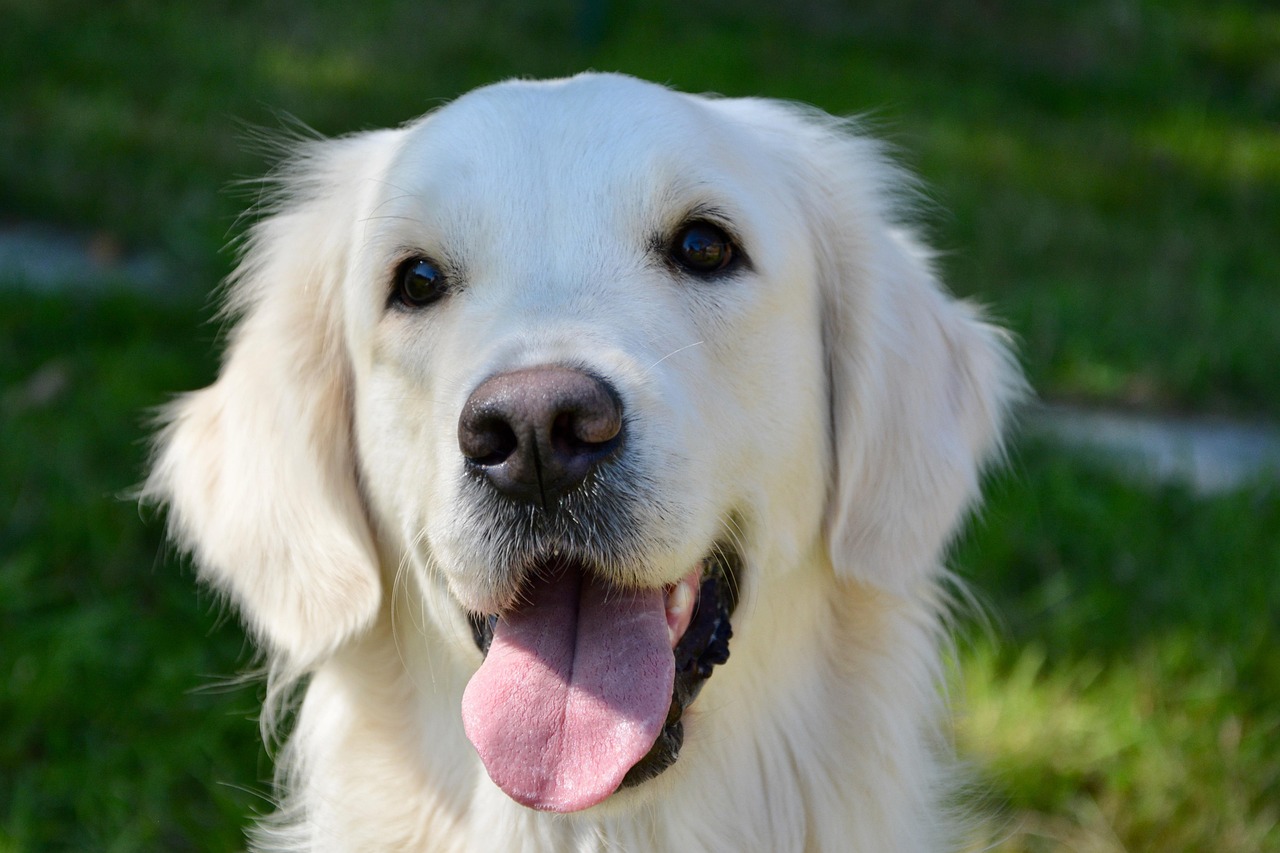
(257, 469)
(920, 384)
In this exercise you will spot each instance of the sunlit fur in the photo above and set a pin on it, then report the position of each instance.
(823, 409)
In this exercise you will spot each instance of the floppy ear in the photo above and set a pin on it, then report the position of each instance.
(258, 469)
(919, 384)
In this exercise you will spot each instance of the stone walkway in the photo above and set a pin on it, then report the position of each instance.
(1211, 456)
(47, 260)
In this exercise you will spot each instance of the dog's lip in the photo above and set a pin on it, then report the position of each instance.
(699, 631)
(681, 600)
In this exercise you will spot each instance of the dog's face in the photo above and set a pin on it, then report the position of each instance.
(597, 363)
(578, 329)
(621, 231)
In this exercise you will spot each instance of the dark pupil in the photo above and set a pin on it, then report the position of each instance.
(421, 282)
(703, 248)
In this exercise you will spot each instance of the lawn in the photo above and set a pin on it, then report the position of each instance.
(1105, 175)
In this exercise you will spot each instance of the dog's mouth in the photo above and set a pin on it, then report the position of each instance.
(584, 685)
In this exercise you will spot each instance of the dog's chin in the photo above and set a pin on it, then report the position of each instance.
(619, 638)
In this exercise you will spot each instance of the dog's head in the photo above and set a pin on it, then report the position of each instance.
(598, 359)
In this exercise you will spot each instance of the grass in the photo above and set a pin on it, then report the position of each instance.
(1107, 175)
(114, 734)
(1131, 699)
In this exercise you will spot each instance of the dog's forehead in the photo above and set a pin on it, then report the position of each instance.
(598, 142)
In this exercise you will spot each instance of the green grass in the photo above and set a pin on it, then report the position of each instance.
(117, 729)
(1131, 698)
(1106, 175)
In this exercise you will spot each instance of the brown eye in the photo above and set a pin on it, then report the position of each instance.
(702, 248)
(419, 282)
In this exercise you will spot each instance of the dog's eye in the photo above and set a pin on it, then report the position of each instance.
(419, 282)
(702, 248)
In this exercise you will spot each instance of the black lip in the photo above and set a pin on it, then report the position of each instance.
(704, 646)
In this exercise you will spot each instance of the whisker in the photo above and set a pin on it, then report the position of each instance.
(673, 352)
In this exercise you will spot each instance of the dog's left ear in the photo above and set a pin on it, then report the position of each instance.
(920, 385)
(258, 469)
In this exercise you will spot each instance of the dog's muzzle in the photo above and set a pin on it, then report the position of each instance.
(584, 684)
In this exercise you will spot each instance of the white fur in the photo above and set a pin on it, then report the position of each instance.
(827, 411)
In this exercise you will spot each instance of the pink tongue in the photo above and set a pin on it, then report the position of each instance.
(573, 693)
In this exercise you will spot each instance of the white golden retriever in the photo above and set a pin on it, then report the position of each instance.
(532, 403)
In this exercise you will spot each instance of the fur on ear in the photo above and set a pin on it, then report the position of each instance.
(920, 384)
(257, 469)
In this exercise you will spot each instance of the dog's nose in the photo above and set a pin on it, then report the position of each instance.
(536, 433)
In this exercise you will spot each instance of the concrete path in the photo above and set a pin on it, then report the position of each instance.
(47, 260)
(1209, 455)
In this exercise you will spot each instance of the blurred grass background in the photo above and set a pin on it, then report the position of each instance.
(1106, 175)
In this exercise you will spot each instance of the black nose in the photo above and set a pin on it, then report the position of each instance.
(536, 433)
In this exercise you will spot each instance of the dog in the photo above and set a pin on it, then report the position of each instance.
(585, 454)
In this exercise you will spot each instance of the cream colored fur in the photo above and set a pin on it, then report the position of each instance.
(827, 410)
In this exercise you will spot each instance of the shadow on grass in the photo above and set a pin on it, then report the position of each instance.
(115, 733)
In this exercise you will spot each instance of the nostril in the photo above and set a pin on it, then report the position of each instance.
(487, 440)
(578, 433)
